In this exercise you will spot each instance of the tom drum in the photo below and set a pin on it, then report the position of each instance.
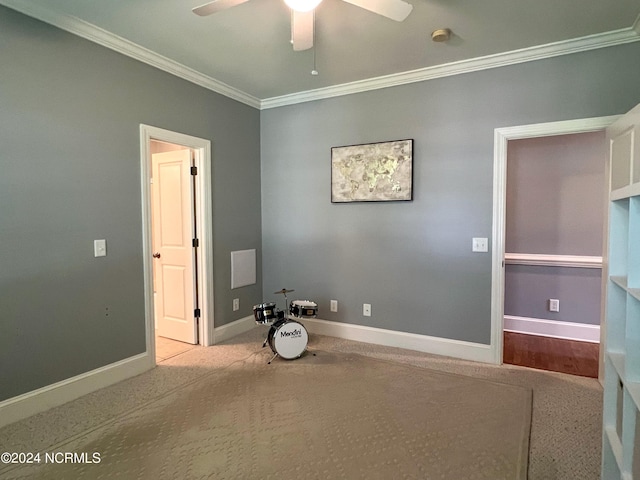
(303, 309)
(265, 313)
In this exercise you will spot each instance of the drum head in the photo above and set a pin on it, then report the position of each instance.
(304, 303)
(289, 340)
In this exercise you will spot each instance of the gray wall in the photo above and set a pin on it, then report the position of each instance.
(555, 205)
(70, 113)
(413, 261)
(528, 289)
(555, 194)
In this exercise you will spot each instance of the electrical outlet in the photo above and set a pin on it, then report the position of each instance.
(554, 305)
(334, 305)
(236, 304)
(366, 309)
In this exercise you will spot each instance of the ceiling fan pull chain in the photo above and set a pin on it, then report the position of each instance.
(291, 15)
(315, 45)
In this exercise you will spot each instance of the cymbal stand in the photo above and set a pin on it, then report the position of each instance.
(284, 292)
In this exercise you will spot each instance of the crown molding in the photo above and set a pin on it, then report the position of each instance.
(590, 42)
(121, 45)
(114, 42)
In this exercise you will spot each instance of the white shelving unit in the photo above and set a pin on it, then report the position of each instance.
(621, 416)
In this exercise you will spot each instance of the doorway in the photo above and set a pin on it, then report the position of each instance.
(501, 138)
(553, 247)
(177, 241)
(175, 249)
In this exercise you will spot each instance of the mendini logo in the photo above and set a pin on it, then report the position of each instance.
(297, 333)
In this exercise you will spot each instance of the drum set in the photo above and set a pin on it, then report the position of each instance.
(287, 337)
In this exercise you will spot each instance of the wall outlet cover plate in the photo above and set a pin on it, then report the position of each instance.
(480, 245)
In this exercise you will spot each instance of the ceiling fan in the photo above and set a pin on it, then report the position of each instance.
(302, 14)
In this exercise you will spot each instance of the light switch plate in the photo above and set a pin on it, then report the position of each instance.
(99, 248)
(480, 245)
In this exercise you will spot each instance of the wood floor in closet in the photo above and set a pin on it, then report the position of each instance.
(555, 354)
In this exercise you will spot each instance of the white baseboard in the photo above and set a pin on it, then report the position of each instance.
(225, 332)
(552, 328)
(439, 346)
(36, 401)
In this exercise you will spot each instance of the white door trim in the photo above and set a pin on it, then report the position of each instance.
(204, 229)
(500, 141)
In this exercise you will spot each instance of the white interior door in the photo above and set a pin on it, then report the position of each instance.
(174, 272)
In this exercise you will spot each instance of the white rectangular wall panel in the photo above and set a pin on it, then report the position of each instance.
(243, 268)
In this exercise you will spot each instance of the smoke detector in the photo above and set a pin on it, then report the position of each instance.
(441, 35)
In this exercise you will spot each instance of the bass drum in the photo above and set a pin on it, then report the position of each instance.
(288, 339)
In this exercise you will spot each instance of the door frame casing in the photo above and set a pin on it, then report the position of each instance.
(204, 229)
(501, 139)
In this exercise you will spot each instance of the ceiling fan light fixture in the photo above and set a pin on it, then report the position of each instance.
(302, 5)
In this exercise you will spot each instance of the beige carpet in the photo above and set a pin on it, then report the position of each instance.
(329, 416)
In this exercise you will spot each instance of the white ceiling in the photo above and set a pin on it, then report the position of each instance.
(247, 47)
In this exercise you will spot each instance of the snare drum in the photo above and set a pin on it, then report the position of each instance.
(288, 339)
(265, 313)
(303, 309)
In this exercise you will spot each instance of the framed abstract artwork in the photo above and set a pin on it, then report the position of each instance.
(373, 172)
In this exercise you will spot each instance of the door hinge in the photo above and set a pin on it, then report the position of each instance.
(194, 170)
(196, 313)
(195, 242)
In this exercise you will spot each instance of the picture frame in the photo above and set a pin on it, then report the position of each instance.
(372, 172)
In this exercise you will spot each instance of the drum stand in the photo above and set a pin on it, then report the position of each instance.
(272, 358)
(264, 344)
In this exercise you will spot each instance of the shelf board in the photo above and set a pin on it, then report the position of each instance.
(634, 391)
(625, 192)
(619, 281)
(618, 362)
(616, 445)
(622, 282)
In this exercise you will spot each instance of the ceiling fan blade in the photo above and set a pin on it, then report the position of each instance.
(302, 30)
(396, 10)
(215, 6)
